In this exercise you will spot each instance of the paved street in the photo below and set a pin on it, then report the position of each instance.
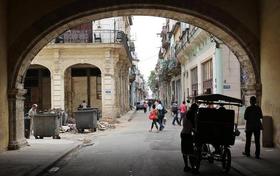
(132, 150)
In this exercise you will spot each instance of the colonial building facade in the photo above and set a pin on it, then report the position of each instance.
(193, 62)
(90, 62)
(208, 66)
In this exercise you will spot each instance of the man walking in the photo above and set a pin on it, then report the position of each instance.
(253, 116)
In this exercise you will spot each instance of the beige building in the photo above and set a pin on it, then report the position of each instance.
(208, 65)
(90, 62)
(252, 33)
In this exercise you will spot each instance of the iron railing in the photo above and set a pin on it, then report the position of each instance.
(185, 39)
(97, 36)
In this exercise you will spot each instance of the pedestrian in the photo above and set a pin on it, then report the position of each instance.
(187, 138)
(253, 116)
(83, 104)
(183, 111)
(150, 104)
(153, 116)
(145, 106)
(174, 110)
(160, 110)
(28, 121)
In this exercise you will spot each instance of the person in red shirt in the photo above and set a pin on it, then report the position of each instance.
(153, 116)
(183, 110)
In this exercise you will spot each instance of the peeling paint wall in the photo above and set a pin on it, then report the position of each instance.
(3, 79)
(270, 61)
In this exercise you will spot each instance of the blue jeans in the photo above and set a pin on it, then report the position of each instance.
(160, 119)
(175, 118)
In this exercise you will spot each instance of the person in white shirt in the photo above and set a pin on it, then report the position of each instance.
(29, 120)
(84, 104)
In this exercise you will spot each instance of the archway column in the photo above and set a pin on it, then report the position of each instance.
(252, 90)
(16, 118)
(110, 109)
(57, 89)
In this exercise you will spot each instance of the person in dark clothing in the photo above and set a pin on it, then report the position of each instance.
(174, 110)
(187, 138)
(253, 116)
(150, 104)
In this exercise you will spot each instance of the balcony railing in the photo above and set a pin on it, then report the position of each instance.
(185, 39)
(208, 84)
(75, 36)
(97, 36)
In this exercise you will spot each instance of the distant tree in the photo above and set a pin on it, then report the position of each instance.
(153, 82)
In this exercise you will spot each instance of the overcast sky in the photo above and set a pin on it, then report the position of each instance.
(147, 42)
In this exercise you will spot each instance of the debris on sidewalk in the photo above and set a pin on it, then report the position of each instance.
(103, 125)
(53, 169)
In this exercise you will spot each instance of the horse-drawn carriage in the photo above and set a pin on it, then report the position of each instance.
(215, 130)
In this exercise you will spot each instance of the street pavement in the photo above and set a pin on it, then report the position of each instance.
(130, 149)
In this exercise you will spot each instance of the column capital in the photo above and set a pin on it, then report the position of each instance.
(17, 93)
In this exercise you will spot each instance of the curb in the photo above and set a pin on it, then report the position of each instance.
(131, 116)
(58, 159)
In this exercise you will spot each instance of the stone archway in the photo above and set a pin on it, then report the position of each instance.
(232, 32)
(82, 82)
(37, 83)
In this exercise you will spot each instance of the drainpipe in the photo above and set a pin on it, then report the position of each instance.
(219, 68)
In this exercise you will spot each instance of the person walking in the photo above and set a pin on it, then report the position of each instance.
(28, 121)
(187, 138)
(150, 104)
(153, 116)
(145, 106)
(253, 116)
(174, 110)
(183, 111)
(160, 110)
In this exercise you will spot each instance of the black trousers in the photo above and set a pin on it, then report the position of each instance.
(27, 123)
(257, 134)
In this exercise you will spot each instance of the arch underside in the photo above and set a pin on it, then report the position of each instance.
(242, 43)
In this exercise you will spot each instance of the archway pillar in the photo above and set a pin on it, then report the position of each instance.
(252, 90)
(110, 75)
(57, 89)
(16, 118)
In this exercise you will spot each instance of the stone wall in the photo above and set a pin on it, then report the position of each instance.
(3, 79)
(270, 62)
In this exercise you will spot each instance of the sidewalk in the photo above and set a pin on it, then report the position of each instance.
(268, 165)
(33, 159)
(43, 153)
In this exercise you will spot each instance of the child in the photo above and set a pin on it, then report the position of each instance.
(153, 116)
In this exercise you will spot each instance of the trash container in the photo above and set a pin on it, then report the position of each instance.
(267, 137)
(86, 119)
(46, 125)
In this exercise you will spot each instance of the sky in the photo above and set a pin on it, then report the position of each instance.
(145, 30)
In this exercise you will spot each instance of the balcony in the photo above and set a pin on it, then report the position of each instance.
(96, 36)
(194, 89)
(185, 39)
(208, 86)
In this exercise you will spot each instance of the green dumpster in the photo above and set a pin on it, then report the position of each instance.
(46, 125)
(86, 119)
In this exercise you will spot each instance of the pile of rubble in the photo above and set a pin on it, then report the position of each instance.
(101, 125)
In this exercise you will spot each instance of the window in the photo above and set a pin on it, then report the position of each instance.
(207, 76)
(207, 70)
(194, 81)
(98, 87)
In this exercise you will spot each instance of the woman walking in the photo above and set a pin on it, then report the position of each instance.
(153, 116)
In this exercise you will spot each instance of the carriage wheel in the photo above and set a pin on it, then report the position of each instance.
(226, 160)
